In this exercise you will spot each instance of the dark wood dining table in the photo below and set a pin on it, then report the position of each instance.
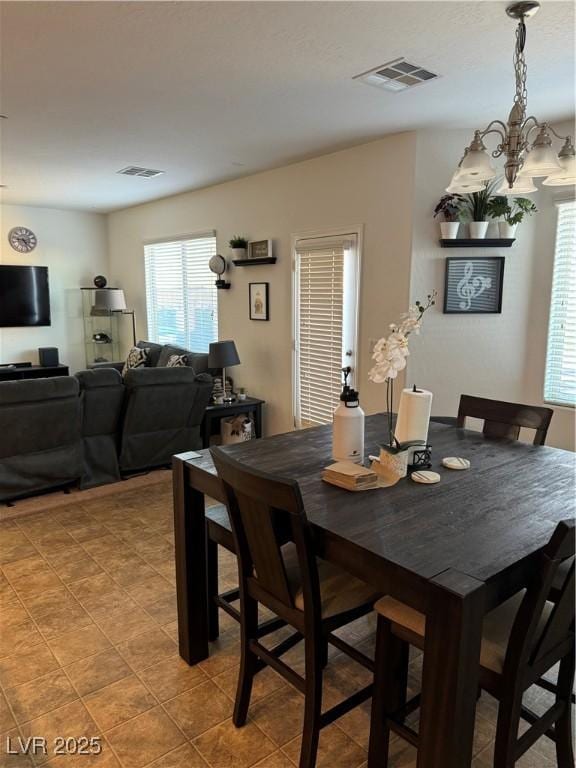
(453, 550)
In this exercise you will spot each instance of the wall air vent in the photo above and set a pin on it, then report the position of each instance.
(397, 75)
(135, 170)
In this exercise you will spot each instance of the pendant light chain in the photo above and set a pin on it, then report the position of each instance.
(520, 68)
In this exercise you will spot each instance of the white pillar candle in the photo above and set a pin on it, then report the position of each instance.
(413, 416)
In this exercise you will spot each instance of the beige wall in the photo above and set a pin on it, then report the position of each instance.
(370, 185)
(500, 356)
(74, 248)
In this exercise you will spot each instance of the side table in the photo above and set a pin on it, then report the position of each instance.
(213, 414)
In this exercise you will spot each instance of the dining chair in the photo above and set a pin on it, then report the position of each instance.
(279, 570)
(501, 419)
(522, 640)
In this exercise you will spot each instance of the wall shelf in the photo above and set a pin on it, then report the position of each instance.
(254, 262)
(481, 242)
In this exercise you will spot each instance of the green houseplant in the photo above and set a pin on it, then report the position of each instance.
(450, 207)
(238, 245)
(476, 206)
(512, 213)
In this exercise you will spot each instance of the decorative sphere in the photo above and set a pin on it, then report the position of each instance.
(100, 281)
(217, 264)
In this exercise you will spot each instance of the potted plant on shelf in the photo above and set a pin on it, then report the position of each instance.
(476, 209)
(238, 246)
(499, 207)
(449, 207)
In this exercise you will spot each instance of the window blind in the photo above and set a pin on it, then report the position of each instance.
(560, 379)
(181, 294)
(319, 330)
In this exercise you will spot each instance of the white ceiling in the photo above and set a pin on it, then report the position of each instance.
(209, 91)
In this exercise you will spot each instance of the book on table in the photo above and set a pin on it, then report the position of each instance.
(352, 477)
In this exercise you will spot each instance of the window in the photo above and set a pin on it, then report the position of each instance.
(326, 303)
(181, 292)
(560, 380)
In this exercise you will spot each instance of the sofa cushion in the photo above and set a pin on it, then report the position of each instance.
(198, 361)
(177, 361)
(154, 353)
(138, 357)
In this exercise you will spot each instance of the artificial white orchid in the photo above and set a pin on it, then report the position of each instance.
(390, 352)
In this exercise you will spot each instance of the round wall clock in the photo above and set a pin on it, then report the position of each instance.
(22, 239)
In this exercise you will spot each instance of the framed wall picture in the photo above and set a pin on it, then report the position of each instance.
(260, 249)
(259, 302)
(474, 286)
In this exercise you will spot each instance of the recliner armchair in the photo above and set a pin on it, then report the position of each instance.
(164, 410)
(102, 394)
(40, 438)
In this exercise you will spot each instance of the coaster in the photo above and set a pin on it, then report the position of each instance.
(455, 462)
(425, 477)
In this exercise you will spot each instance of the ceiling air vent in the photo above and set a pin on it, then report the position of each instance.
(135, 170)
(397, 75)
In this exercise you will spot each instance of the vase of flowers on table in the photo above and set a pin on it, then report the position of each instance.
(390, 356)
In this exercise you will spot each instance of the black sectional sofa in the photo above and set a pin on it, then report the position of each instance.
(95, 427)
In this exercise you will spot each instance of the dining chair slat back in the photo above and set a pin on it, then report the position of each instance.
(504, 420)
(266, 513)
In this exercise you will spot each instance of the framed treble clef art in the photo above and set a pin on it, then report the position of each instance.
(474, 285)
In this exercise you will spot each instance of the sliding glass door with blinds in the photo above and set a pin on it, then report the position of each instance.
(326, 320)
(560, 378)
(181, 297)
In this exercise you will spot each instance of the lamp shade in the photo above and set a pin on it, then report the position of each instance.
(565, 175)
(540, 161)
(476, 163)
(522, 186)
(223, 354)
(111, 299)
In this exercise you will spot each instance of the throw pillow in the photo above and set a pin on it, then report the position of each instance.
(137, 358)
(177, 361)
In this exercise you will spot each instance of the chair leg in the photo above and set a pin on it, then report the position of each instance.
(314, 650)
(563, 728)
(248, 660)
(390, 687)
(507, 729)
(212, 582)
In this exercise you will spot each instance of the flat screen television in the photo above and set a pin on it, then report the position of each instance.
(24, 296)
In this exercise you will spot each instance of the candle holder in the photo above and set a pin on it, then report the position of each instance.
(421, 459)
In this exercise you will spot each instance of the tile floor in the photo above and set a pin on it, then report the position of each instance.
(88, 648)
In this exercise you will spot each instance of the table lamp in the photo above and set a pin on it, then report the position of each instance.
(223, 354)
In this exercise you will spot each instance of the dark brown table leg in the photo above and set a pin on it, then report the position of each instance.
(451, 671)
(212, 565)
(206, 430)
(191, 573)
(258, 420)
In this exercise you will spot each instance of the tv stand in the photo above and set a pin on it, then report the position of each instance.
(18, 371)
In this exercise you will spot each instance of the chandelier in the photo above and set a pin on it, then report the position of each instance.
(524, 162)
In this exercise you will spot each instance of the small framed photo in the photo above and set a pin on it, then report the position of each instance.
(259, 305)
(474, 286)
(260, 249)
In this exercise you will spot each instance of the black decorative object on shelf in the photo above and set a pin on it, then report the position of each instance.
(421, 459)
(217, 264)
(480, 242)
(254, 262)
(100, 281)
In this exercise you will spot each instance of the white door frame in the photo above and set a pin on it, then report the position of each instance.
(356, 230)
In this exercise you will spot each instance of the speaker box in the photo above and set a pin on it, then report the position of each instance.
(48, 356)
